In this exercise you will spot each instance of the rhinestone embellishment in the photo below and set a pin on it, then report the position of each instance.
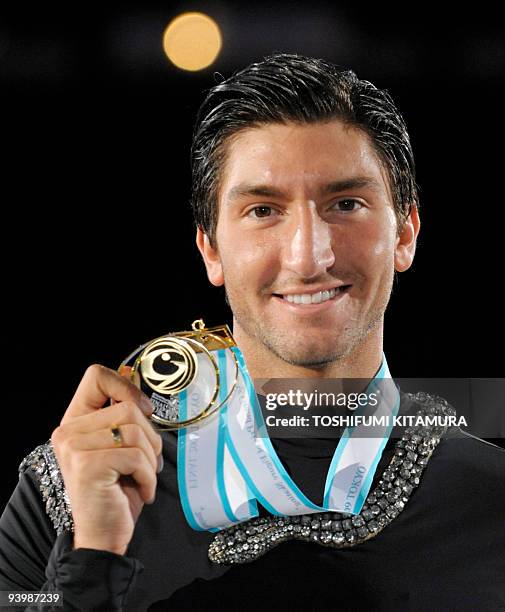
(43, 462)
(250, 540)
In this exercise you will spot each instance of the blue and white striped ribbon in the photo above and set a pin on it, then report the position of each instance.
(227, 463)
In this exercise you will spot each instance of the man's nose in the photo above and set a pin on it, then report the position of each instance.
(308, 249)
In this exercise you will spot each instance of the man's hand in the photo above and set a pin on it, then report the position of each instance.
(107, 485)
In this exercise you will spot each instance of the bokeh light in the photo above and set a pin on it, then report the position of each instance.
(192, 41)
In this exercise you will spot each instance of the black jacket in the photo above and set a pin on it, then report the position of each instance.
(444, 551)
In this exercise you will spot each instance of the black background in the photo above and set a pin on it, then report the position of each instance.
(99, 252)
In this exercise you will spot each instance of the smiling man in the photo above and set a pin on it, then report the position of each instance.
(306, 244)
(306, 207)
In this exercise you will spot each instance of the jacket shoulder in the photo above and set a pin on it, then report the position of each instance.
(46, 471)
(437, 404)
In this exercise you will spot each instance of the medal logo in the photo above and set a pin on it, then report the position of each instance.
(168, 365)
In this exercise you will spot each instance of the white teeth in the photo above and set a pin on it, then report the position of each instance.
(311, 298)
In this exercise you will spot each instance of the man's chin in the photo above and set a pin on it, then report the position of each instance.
(310, 363)
(308, 355)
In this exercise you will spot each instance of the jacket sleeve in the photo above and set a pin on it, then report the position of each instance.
(36, 540)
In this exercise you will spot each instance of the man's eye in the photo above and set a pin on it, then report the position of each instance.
(260, 212)
(347, 205)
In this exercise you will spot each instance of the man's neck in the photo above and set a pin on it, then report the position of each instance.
(362, 362)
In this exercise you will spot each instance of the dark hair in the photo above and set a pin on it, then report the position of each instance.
(289, 87)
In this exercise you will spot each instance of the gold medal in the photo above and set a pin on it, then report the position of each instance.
(177, 362)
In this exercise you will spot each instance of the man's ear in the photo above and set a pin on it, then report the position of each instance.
(406, 242)
(210, 257)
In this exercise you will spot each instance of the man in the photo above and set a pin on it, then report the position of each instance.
(306, 206)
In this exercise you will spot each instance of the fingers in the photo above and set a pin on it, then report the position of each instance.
(122, 414)
(98, 385)
(102, 467)
(133, 436)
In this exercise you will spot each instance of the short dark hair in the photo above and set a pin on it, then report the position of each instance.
(287, 87)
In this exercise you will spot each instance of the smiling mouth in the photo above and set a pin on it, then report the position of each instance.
(318, 297)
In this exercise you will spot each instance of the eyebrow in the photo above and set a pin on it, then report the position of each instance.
(357, 182)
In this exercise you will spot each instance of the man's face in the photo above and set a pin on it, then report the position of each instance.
(288, 231)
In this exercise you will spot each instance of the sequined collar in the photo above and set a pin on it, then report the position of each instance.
(250, 540)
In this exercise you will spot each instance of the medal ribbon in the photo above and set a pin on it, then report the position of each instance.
(227, 463)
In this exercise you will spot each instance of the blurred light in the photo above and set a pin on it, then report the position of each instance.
(192, 41)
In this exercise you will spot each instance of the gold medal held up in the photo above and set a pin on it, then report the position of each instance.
(183, 364)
